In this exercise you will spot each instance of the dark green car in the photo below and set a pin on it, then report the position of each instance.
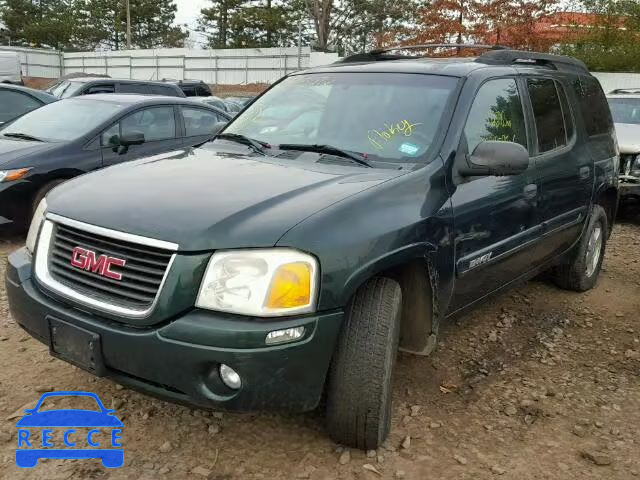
(346, 213)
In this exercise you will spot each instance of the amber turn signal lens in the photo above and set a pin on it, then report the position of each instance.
(13, 175)
(290, 286)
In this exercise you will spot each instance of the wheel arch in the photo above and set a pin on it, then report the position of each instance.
(418, 277)
(608, 198)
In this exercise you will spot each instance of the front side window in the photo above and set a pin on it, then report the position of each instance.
(198, 121)
(389, 116)
(157, 123)
(15, 104)
(547, 111)
(625, 110)
(496, 114)
(65, 120)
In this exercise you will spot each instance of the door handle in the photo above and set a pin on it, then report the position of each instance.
(585, 172)
(531, 191)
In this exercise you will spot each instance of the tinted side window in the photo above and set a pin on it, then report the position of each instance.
(134, 88)
(198, 121)
(161, 90)
(496, 114)
(548, 114)
(202, 91)
(569, 123)
(593, 106)
(157, 123)
(15, 104)
(189, 91)
(106, 88)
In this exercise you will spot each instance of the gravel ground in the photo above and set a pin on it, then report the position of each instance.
(536, 384)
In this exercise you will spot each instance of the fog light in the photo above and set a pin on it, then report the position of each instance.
(230, 377)
(284, 336)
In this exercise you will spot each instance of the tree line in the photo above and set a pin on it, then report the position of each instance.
(609, 42)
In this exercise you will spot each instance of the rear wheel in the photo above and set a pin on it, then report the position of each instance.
(581, 274)
(360, 382)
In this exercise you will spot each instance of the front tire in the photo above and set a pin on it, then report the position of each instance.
(581, 274)
(360, 381)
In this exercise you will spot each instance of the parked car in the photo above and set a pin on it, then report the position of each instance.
(16, 101)
(76, 87)
(625, 108)
(213, 101)
(68, 138)
(192, 88)
(292, 257)
(242, 101)
(232, 107)
(10, 68)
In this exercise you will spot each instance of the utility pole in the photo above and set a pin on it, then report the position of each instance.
(128, 24)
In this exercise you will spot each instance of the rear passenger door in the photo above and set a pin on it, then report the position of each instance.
(157, 124)
(564, 165)
(198, 124)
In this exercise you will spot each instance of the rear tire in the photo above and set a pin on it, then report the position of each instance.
(581, 274)
(360, 381)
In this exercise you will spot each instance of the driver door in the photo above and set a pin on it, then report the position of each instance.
(496, 218)
(157, 124)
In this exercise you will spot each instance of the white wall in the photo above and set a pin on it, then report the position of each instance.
(37, 62)
(611, 81)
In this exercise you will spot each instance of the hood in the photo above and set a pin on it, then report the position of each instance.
(12, 151)
(204, 200)
(628, 137)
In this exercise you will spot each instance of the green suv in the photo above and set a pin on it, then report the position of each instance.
(344, 214)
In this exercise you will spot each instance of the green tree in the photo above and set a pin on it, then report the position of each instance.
(41, 23)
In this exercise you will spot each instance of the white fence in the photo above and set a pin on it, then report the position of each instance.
(225, 66)
(39, 63)
(611, 81)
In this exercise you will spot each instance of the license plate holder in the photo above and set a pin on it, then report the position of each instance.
(76, 345)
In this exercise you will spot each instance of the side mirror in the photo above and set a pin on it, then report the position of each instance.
(132, 139)
(497, 158)
(217, 128)
(128, 140)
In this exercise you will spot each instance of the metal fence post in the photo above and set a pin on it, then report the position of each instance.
(246, 70)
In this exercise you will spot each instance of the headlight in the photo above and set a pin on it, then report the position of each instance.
(261, 282)
(13, 175)
(36, 221)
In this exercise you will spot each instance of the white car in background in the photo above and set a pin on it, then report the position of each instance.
(625, 108)
(10, 68)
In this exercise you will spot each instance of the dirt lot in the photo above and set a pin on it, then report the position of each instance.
(536, 384)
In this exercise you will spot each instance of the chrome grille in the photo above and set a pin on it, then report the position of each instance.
(142, 275)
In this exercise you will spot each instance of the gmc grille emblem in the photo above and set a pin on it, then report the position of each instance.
(89, 261)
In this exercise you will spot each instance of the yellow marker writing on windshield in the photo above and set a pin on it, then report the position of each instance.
(379, 137)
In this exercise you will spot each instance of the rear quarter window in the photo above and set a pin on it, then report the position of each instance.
(593, 106)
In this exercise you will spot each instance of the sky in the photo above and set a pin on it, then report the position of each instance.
(189, 10)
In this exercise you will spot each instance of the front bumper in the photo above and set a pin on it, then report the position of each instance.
(179, 359)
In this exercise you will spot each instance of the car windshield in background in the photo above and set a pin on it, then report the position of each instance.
(62, 121)
(66, 89)
(388, 115)
(625, 110)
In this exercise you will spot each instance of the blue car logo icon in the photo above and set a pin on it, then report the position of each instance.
(36, 433)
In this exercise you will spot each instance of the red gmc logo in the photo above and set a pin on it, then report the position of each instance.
(87, 260)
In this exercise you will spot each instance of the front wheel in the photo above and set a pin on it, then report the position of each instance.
(581, 274)
(360, 381)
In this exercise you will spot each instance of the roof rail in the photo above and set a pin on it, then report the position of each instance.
(384, 53)
(521, 57)
(625, 91)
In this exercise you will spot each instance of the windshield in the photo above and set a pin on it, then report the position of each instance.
(385, 115)
(66, 89)
(625, 110)
(63, 121)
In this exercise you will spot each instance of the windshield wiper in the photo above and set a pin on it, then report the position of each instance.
(257, 145)
(358, 158)
(23, 136)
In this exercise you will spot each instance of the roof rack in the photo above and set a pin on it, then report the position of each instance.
(384, 53)
(521, 57)
(625, 91)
